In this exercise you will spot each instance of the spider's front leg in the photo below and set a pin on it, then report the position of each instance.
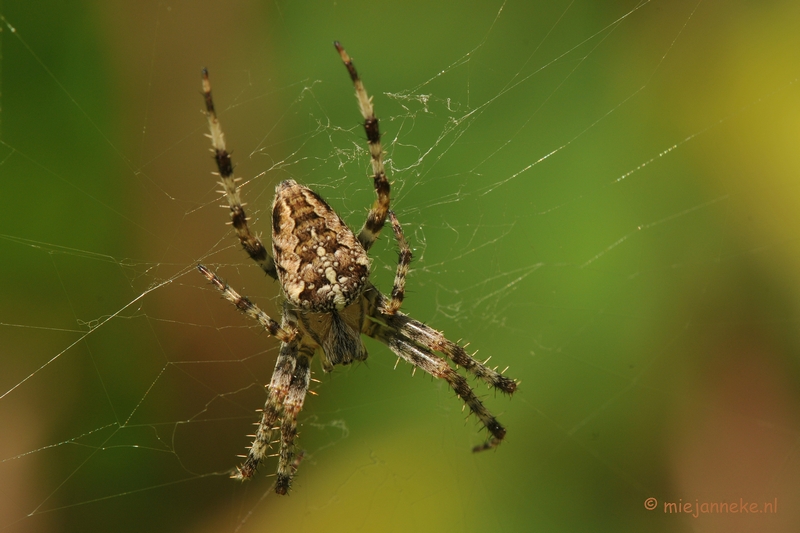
(404, 260)
(377, 215)
(251, 243)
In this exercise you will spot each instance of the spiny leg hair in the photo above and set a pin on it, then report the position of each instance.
(273, 409)
(435, 341)
(287, 390)
(249, 308)
(377, 215)
(251, 243)
(286, 394)
(292, 406)
(437, 367)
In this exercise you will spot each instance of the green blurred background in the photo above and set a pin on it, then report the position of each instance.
(603, 196)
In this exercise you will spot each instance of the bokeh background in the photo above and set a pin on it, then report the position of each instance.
(603, 196)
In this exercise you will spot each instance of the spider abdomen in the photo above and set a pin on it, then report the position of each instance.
(320, 263)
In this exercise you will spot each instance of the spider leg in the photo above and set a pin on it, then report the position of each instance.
(377, 215)
(249, 308)
(435, 341)
(279, 388)
(437, 367)
(250, 242)
(292, 405)
(399, 287)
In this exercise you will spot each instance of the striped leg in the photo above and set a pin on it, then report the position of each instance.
(432, 340)
(250, 242)
(249, 308)
(279, 389)
(292, 406)
(437, 367)
(399, 287)
(435, 340)
(377, 215)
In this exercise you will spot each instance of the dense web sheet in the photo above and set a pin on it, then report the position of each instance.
(603, 198)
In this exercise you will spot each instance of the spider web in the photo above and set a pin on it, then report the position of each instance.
(603, 197)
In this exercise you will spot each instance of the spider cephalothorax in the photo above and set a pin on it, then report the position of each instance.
(323, 269)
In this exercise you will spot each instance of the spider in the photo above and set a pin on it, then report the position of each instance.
(323, 270)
